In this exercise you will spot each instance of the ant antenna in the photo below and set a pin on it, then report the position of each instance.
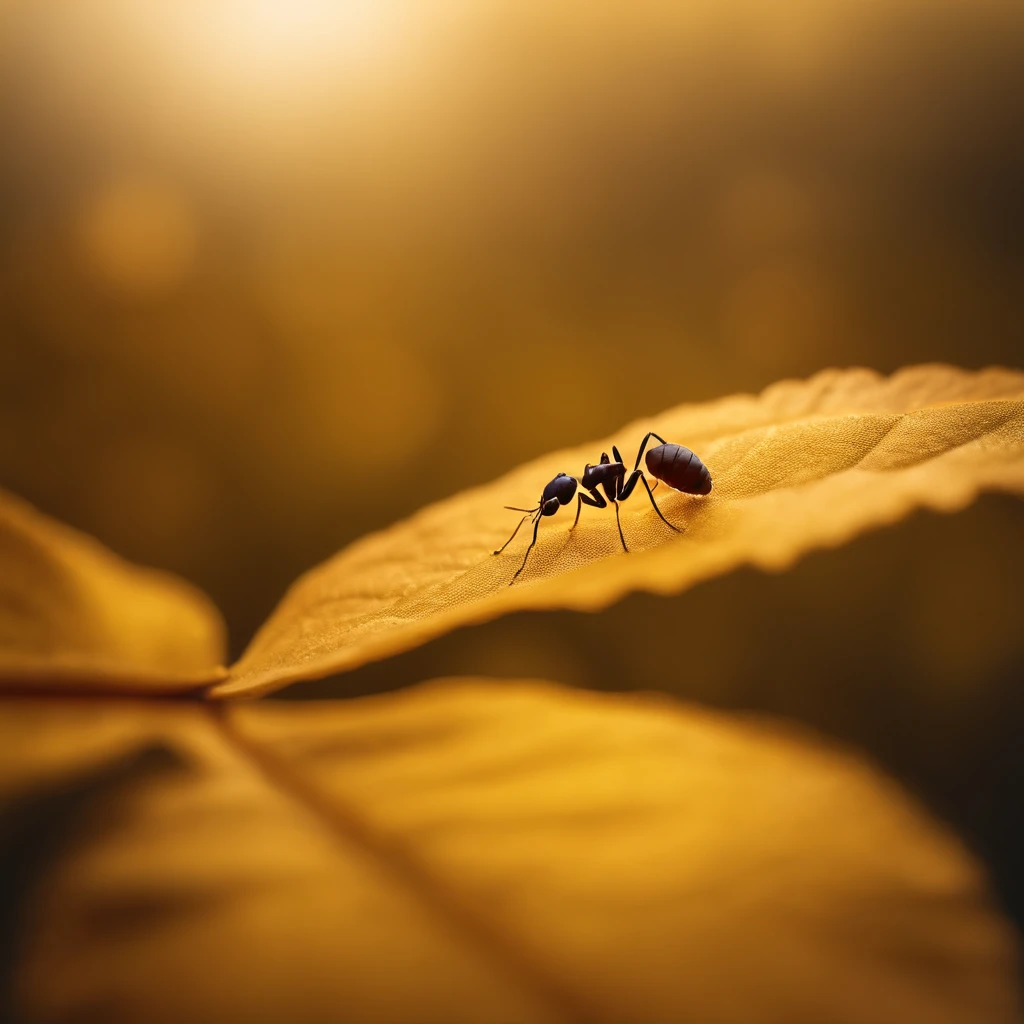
(514, 508)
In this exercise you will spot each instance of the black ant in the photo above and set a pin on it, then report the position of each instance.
(672, 464)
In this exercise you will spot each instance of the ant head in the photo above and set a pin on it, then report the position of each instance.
(550, 507)
(562, 489)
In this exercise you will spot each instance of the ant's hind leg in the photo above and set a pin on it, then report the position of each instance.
(638, 476)
(654, 504)
(643, 445)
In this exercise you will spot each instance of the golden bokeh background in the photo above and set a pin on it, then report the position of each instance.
(276, 274)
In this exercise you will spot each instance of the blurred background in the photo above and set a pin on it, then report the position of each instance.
(274, 273)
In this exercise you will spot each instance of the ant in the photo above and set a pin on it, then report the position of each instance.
(672, 464)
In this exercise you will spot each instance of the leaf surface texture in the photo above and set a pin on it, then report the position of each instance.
(804, 465)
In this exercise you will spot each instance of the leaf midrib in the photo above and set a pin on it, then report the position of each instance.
(345, 824)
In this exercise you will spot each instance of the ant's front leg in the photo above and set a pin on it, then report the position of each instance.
(514, 532)
(598, 500)
(593, 499)
(536, 527)
(638, 474)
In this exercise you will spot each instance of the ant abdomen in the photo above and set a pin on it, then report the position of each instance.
(680, 468)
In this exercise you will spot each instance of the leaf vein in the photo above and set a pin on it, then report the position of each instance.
(345, 822)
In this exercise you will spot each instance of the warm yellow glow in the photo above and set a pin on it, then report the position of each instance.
(296, 37)
(139, 236)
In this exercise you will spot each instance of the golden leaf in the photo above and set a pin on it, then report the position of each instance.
(474, 851)
(73, 613)
(804, 465)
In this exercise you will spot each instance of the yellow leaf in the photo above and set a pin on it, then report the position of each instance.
(74, 614)
(804, 465)
(474, 851)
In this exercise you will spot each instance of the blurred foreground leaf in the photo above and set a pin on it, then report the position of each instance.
(475, 851)
(804, 465)
(73, 613)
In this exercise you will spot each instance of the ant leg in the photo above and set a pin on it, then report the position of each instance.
(514, 532)
(619, 525)
(630, 484)
(536, 527)
(582, 499)
(654, 504)
(643, 445)
(638, 474)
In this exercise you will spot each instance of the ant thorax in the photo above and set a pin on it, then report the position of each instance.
(603, 473)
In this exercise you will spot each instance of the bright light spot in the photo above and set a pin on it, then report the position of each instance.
(300, 38)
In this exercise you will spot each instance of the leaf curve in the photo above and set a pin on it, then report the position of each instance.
(74, 614)
(804, 465)
(468, 851)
